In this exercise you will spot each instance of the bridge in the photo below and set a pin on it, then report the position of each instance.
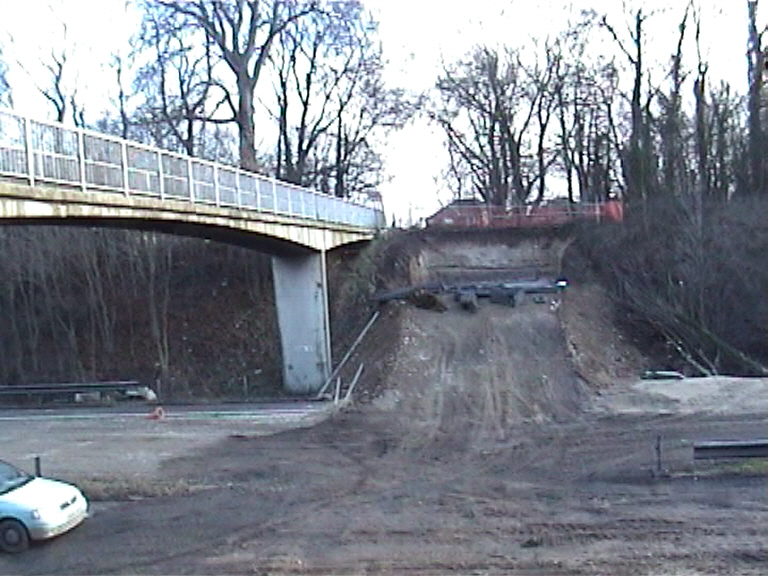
(53, 174)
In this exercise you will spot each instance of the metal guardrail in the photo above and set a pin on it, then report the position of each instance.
(729, 450)
(42, 389)
(51, 153)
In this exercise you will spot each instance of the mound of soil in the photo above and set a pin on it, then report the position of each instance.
(467, 377)
(458, 378)
(601, 352)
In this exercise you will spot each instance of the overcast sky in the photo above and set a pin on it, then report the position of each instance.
(417, 35)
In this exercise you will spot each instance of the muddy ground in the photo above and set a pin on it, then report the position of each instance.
(510, 440)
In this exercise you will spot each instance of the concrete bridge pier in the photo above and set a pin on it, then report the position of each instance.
(301, 297)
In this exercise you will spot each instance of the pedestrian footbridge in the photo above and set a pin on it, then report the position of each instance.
(53, 174)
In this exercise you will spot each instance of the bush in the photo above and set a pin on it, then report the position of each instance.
(696, 277)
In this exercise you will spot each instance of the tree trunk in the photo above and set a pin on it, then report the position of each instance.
(245, 121)
(756, 63)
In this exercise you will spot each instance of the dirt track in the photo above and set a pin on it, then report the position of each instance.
(481, 453)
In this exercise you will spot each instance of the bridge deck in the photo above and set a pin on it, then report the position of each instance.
(45, 155)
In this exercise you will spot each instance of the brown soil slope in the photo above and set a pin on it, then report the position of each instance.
(463, 378)
(475, 374)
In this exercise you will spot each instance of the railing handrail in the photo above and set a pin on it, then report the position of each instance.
(29, 389)
(517, 208)
(157, 177)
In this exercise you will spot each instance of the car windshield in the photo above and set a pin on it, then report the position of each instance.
(11, 477)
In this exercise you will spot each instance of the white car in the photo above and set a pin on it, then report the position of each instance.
(34, 508)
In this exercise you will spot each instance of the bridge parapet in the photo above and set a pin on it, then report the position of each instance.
(50, 153)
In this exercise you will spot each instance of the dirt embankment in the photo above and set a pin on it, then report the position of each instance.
(690, 283)
(469, 376)
(460, 377)
(602, 351)
(504, 365)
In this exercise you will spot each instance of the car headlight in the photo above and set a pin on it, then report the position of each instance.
(35, 514)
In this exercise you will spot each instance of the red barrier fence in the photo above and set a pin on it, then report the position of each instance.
(460, 215)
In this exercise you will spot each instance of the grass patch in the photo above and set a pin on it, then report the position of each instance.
(749, 466)
(742, 467)
(100, 489)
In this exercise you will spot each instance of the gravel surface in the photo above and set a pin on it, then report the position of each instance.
(711, 395)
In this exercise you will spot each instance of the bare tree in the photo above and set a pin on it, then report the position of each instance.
(496, 110)
(313, 70)
(332, 104)
(703, 129)
(589, 141)
(56, 92)
(122, 97)
(479, 109)
(756, 67)
(674, 159)
(362, 127)
(243, 33)
(56, 80)
(543, 80)
(156, 271)
(729, 144)
(6, 94)
(177, 79)
(119, 120)
(639, 161)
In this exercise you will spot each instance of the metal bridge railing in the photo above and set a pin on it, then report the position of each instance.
(526, 216)
(50, 153)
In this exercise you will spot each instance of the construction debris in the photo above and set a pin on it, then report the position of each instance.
(499, 292)
(468, 300)
(422, 298)
(662, 375)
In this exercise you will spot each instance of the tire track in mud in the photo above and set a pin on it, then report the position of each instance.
(477, 376)
(238, 536)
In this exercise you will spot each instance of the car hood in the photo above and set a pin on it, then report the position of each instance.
(40, 493)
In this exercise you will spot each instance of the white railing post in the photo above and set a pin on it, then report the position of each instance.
(30, 152)
(290, 201)
(124, 153)
(160, 174)
(81, 157)
(274, 196)
(238, 190)
(191, 181)
(258, 192)
(216, 184)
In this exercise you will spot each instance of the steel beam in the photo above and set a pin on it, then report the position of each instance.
(730, 449)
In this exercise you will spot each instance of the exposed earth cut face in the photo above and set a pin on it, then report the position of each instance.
(465, 378)
(489, 442)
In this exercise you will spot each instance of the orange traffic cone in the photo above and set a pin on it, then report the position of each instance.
(157, 414)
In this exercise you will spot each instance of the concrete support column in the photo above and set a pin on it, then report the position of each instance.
(301, 296)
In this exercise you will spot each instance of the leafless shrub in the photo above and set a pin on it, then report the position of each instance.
(699, 281)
